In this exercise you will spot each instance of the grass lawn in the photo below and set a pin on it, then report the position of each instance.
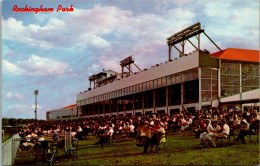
(180, 150)
(7, 136)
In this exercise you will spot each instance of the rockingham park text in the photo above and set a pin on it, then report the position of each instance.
(42, 9)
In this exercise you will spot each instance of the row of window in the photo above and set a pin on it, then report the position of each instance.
(153, 84)
(233, 90)
(235, 80)
(233, 68)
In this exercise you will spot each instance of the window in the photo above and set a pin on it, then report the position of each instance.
(178, 78)
(205, 96)
(164, 81)
(144, 86)
(151, 84)
(214, 84)
(155, 84)
(159, 82)
(205, 72)
(214, 74)
(122, 92)
(130, 90)
(169, 80)
(205, 84)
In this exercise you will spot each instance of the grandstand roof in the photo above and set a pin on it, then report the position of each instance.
(70, 106)
(238, 54)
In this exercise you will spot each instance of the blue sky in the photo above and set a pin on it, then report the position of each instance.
(57, 52)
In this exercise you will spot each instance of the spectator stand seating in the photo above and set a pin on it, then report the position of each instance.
(58, 144)
(254, 130)
(162, 142)
(220, 139)
(71, 145)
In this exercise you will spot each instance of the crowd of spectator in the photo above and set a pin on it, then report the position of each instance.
(208, 124)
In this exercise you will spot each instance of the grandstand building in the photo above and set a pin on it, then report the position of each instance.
(192, 81)
(64, 113)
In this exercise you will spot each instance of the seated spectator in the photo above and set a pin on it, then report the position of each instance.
(105, 137)
(205, 132)
(158, 135)
(215, 128)
(184, 124)
(200, 128)
(224, 134)
(244, 130)
(145, 136)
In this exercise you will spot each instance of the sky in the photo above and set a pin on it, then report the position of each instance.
(56, 52)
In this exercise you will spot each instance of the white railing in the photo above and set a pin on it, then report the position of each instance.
(9, 150)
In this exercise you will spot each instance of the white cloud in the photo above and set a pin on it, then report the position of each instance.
(13, 96)
(9, 68)
(7, 51)
(117, 33)
(23, 111)
(29, 106)
(235, 23)
(35, 66)
(93, 69)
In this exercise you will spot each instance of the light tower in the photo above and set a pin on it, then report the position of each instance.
(36, 92)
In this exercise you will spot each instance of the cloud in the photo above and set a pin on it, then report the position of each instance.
(236, 24)
(93, 69)
(29, 106)
(7, 52)
(10, 68)
(13, 96)
(36, 66)
(23, 111)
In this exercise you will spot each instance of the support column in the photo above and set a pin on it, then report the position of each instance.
(170, 53)
(219, 81)
(143, 101)
(133, 104)
(182, 95)
(199, 41)
(240, 80)
(98, 108)
(116, 107)
(124, 102)
(94, 112)
(104, 107)
(122, 72)
(154, 100)
(167, 100)
(199, 87)
(110, 107)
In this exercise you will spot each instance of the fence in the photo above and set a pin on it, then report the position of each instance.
(9, 150)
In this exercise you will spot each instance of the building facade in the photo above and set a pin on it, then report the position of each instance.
(164, 88)
(193, 81)
(65, 113)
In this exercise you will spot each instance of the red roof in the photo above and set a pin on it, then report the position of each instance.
(70, 106)
(238, 54)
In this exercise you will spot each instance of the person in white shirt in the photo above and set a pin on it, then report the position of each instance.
(214, 128)
(184, 124)
(105, 138)
(224, 134)
(131, 128)
(244, 130)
